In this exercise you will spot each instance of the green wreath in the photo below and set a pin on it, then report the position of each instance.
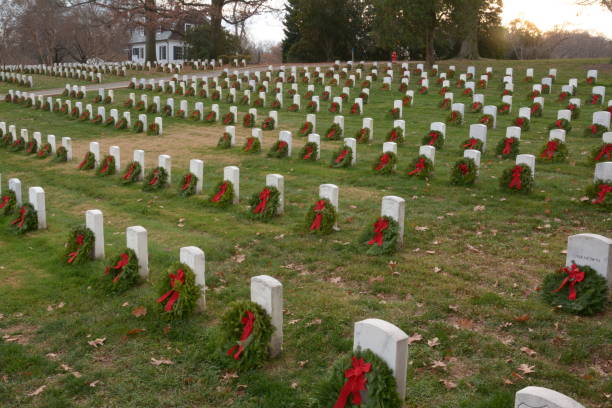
(109, 121)
(268, 124)
(595, 130)
(395, 135)
(248, 121)
(561, 124)
(575, 109)
(310, 151)
(522, 184)
(187, 186)
(265, 210)
(455, 118)
(279, 149)
(8, 202)
(591, 292)
(523, 123)
(251, 352)
(421, 167)
(121, 273)
(342, 157)
(487, 120)
(31, 147)
(88, 162)
(225, 141)
(600, 193)
(434, 138)
(252, 145)
(327, 220)
(223, 194)
(536, 109)
(334, 132)
(17, 145)
(121, 124)
(380, 385)
(155, 179)
(464, 172)
(557, 155)
(131, 173)
(472, 143)
(61, 155)
(363, 135)
(153, 129)
(602, 153)
(393, 113)
(79, 247)
(211, 117)
(385, 163)
(44, 151)
(27, 220)
(6, 140)
(138, 126)
(179, 300)
(508, 147)
(381, 237)
(306, 129)
(107, 166)
(228, 119)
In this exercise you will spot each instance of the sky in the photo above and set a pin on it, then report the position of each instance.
(543, 13)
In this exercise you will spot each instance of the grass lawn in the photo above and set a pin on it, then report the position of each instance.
(468, 274)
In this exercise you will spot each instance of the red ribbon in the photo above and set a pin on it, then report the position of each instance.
(129, 172)
(21, 218)
(331, 133)
(433, 138)
(5, 201)
(83, 162)
(575, 276)
(247, 322)
(379, 226)
(210, 116)
(471, 143)
(594, 129)
(601, 194)
(559, 123)
(187, 182)
(342, 155)
(355, 108)
(464, 169)
(595, 99)
(535, 108)
(249, 145)
(281, 145)
(263, 201)
(309, 152)
(118, 267)
(606, 150)
(220, 193)
(393, 136)
(571, 106)
(80, 239)
(420, 166)
(306, 127)
(508, 145)
(516, 177)
(551, 148)
(384, 160)
(155, 177)
(318, 209)
(105, 167)
(356, 382)
(172, 294)
(476, 105)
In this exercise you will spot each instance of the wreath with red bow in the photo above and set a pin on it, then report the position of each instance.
(362, 135)
(464, 172)
(61, 155)
(248, 121)
(434, 138)
(553, 151)
(385, 163)
(395, 135)
(600, 193)
(225, 141)
(306, 129)
(246, 332)
(472, 143)
(264, 205)
(321, 217)
(156, 179)
(421, 167)
(575, 109)
(577, 289)
(504, 108)
(187, 186)
(79, 247)
(355, 372)
(223, 194)
(455, 118)
(381, 237)
(27, 220)
(268, 123)
(522, 122)
(595, 130)
(517, 178)
(121, 273)
(445, 104)
(536, 109)
(476, 107)
(561, 124)
(602, 153)
(279, 149)
(88, 162)
(508, 147)
(342, 157)
(178, 292)
(334, 132)
(131, 173)
(31, 147)
(107, 166)
(8, 202)
(251, 145)
(17, 145)
(310, 151)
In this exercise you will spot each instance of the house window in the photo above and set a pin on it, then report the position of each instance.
(142, 52)
(178, 53)
(135, 52)
(162, 52)
(188, 27)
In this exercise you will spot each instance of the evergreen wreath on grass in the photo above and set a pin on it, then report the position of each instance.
(361, 370)
(394, 113)
(334, 107)
(594, 100)
(577, 289)
(381, 237)
(121, 273)
(362, 136)
(80, 244)
(228, 119)
(138, 126)
(310, 151)
(472, 143)
(223, 194)
(464, 172)
(476, 107)
(110, 121)
(264, 205)
(602, 153)
(248, 121)
(508, 147)
(395, 135)
(279, 150)
(121, 124)
(600, 193)
(131, 173)
(211, 117)
(179, 114)
(487, 120)
(88, 162)
(575, 109)
(434, 138)
(252, 145)
(178, 292)
(8, 202)
(268, 124)
(595, 130)
(225, 141)
(96, 120)
(536, 109)
(17, 145)
(421, 167)
(455, 118)
(334, 132)
(306, 129)
(522, 122)
(187, 186)
(385, 163)
(312, 106)
(155, 179)
(61, 155)
(561, 124)
(342, 157)
(321, 217)
(153, 129)
(517, 178)
(27, 220)
(504, 108)
(246, 332)
(31, 147)
(6, 140)
(553, 151)
(445, 104)
(107, 166)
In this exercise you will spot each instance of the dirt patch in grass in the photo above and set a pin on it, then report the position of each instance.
(20, 333)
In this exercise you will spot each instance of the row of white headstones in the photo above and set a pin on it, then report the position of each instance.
(21, 79)
(384, 339)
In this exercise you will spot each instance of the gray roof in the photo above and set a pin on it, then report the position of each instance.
(139, 37)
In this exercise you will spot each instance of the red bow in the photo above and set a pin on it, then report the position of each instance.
(516, 177)
(535, 108)
(559, 123)
(19, 221)
(520, 122)
(356, 382)
(433, 138)
(355, 108)
(342, 155)
(220, 193)
(601, 194)
(384, 159)
(106, 164)
(318, 209)
(331, 133)
(187, 182)
(155, 177)
(595, 99)
(247, 322)
(508, 145)
(551, 148)
(80, 239)
(172, 294)
(606, 150)
(420, 165)
(563, 96)
(306, 127)
(475, 105)
(84, 161)
(5, 201)
(571, 106)
(379, 226)
(471, 143)
(575, 276)
(263, 201)
(118, 267)
(594, 129)
(281, 145)
(250, 142)
(129, 172)
(309, 152)
(210, 116)
(464, 169)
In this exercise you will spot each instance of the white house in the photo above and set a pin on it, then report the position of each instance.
(170, 46)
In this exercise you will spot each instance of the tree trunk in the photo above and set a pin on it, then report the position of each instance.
(216, 27)
(430, 57)
(469, 45)
(150, 31)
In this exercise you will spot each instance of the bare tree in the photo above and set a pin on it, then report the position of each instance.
(605, 3)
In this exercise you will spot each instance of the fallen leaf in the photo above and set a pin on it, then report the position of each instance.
(230, 375)
(421, 228)
(49, 308)
(315, 321)
(433, 342)
(521, 318)
(139, 311)
(135, 331)
(438, 364)
(93, 384)
(528, 351)
(302, 363)
(454, 308)
(60, 305)
(414, 338)
(474, 249)
(294, 385)
(97, 342)
(292, 322)
(376, 279)
(159, 362)
(51, 356)
(239, 258)
(526, 369)
(66, 367)
(37, 391)
(448, 384)
(479, 208)
(508, 382)
(125, 304)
